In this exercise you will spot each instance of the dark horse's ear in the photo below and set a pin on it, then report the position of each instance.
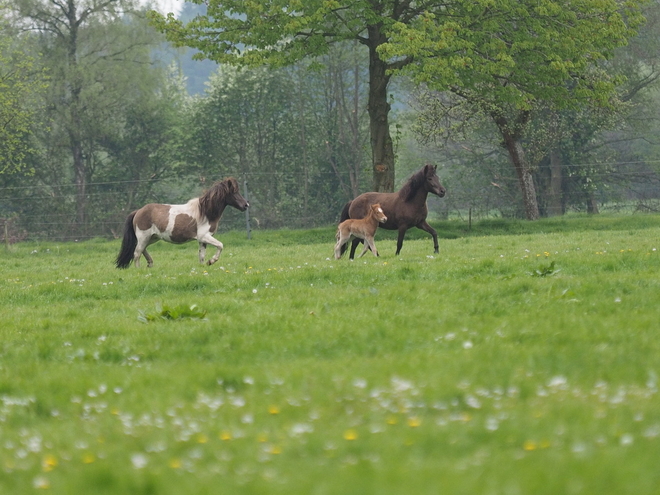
(232, 185)
(429, 170)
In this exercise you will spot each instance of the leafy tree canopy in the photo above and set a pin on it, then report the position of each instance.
(516, 52)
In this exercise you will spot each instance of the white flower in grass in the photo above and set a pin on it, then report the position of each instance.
(139, 461)
(626, 439)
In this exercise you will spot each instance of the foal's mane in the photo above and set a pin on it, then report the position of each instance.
(213, 201)
(412, 185)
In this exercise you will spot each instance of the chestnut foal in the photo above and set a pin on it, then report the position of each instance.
(364, 228)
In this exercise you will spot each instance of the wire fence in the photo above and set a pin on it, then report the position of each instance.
(294, 200)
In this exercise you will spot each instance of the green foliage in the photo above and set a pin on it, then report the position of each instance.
(396, 374)
(545, 270)
(21, 84)
(543, 51)
(168, 313)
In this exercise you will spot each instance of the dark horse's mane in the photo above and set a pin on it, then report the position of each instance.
(212, 202)
(412, 185)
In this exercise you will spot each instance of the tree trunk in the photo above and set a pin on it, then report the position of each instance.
(525, 179)
(555, 191)
(382, 148)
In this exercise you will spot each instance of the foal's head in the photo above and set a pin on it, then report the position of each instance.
(378, 213)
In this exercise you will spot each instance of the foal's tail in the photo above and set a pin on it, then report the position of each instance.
(128, 244)
(344, 216)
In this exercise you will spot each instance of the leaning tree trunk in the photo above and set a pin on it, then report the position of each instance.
(523, 171)
(382, 148)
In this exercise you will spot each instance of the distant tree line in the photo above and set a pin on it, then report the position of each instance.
(96, 118)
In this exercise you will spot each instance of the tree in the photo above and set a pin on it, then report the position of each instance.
(85, 44)
(21, 83)
(280, 32)
(514, 57)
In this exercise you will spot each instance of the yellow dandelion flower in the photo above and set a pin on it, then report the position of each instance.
(392, 420)
(414, 422)
(350, 435)
(262, 438)
(225, 435)
(530, 445)
(275, 449)
(88, 458)
(273, 409)
(545, 444)
(49, 462)
(201, 438)
(174, 463)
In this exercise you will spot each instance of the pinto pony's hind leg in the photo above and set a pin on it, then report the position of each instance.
(140, 249)
(150, 260)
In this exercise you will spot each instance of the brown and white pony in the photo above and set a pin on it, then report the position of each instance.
(364, 228)
(197, 219)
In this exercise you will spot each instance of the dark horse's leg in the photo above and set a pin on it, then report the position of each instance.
(425, 226)
(345, 216)
(354, 246)
(399, 241)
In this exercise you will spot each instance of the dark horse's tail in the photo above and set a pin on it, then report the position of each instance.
(128, 244)
(344, 216)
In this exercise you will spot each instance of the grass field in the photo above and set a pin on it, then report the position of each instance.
(522, 359)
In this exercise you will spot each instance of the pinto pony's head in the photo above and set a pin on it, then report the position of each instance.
(222, 193)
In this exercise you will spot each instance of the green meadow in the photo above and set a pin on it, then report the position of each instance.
(524, 358)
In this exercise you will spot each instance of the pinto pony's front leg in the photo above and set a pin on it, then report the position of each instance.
(209, 239)
(202, 252)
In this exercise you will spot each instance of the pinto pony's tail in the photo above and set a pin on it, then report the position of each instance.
(344, 216)
(128, 244)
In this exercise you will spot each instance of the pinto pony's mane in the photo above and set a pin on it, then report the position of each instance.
(412, 185)
(211, 203)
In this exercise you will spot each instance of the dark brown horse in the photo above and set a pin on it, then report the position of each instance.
(197, 219)
(404, 209)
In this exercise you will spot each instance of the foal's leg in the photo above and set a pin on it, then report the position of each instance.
(340, 242)
(369, 244)
(209, 239)
(425, 226)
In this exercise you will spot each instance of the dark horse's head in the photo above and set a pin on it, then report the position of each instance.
(425, 179)
(432, 181)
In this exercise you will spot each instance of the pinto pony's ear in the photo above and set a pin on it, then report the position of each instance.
(232, 185)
